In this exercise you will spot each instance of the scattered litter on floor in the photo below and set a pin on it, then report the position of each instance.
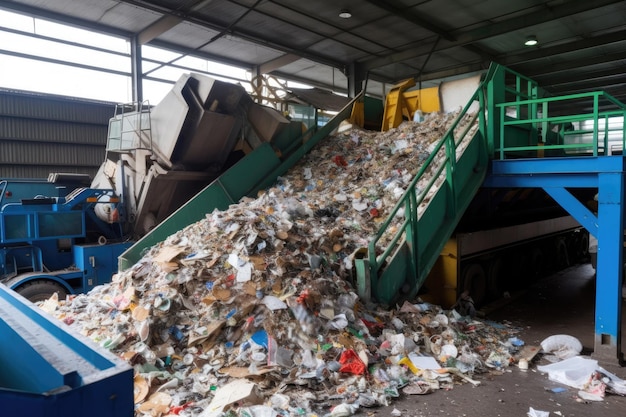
(251, 312)
(537, 413)
(584, 374)
(557, 390)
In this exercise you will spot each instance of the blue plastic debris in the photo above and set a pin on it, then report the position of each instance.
(260, 338)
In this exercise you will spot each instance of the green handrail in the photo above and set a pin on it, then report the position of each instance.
(593, 117)
(412, 197)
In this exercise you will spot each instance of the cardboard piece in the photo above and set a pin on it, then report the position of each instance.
(168, 253)
(528, 352)
(239, 391)
(243, 372)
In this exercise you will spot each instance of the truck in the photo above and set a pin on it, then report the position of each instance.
(64, 234)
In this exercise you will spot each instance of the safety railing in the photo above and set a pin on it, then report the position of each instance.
(414, 200)
(591, 133)
(130, 128)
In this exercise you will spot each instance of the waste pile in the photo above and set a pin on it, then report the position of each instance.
(251, 311)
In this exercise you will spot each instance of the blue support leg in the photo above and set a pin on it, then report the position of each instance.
(607, 344)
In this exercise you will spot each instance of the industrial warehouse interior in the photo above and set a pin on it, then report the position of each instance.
(263, 208)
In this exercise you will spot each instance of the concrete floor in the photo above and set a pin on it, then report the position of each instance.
(560, 304)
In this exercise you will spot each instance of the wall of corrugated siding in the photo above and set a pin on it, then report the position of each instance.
(41, 133)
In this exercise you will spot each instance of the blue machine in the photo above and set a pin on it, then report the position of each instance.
(46, 242)
(49, 371)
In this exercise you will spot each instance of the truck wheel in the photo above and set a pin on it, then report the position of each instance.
(537, 264)
(583, 247)
(496, 277)
(41, 290)
(562, 254)
(474, 282)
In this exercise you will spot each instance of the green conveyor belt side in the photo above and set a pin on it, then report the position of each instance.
(397, 261)
(256, 171)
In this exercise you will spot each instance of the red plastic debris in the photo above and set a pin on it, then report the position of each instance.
(340, 161)
(303, 296)
(351, 363)
(176, 409)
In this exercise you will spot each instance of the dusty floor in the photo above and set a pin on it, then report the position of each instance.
(560, 304)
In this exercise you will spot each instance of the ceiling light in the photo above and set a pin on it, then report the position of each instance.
(531, 41)
(345, 14)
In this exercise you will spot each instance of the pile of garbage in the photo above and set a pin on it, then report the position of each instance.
(252, 310)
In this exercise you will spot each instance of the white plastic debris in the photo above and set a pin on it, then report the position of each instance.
(614, 383)
(537, 413)
(562, 346)
(273, 303)
(344, 410)
(573, 372)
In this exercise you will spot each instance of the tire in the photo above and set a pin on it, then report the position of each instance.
(474, 282)
(562, 255)
(40, 290)
(583, 247)
(496, 277)
(537, 264)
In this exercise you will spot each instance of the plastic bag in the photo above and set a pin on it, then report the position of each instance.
(536, 413)
(562, 346)
(351, 363)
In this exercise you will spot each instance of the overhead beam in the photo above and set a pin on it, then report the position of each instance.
(166, 22)
(531, 70)
(491, 29)
(201, 54)
(404, 13)
(277, 63)
(162, 25)
(583, 76)
(240, 32)
(602, 83)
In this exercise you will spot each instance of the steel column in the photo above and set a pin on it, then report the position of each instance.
(607, 343)
(356, 76)
(606, 173)
(137, 69)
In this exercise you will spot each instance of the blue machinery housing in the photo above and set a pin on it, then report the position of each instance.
(47, 371)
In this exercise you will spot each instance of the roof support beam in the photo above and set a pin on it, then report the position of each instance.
(413, 18)
(534, 70)
(581, 76)
(162, 25)
(166, 22)
(276, 63)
